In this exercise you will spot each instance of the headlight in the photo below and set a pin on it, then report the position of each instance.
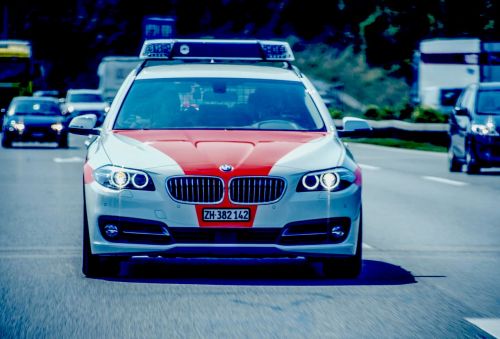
(119, 178)
(106, 109)
(486, 129)
(58, 127)
(335, 179)
(71, 109)
(18, 126)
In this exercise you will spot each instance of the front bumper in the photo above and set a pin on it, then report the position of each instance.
(35, 134)
(299, 224)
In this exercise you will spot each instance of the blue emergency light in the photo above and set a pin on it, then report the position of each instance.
(244, 50)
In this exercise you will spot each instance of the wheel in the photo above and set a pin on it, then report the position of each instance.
(471, 166)
(453, 164)
(350, 267)
(6, 143)
(63, 142)
(93, 265)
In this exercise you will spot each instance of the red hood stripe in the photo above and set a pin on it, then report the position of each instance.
(201, 152)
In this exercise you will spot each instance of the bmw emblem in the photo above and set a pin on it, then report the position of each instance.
(226, 168)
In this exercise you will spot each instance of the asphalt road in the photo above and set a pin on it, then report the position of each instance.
(431, 264)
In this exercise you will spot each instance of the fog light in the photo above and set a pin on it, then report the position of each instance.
(111, 230)
(337, 232)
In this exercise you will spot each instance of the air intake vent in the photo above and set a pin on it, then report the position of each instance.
(196, 190)
(256, 190)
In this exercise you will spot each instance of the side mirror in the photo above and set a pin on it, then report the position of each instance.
(84, 125)
(461, 111)
(354, 128)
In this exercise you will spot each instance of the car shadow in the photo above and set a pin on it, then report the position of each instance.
(488, 172)
(253, 272)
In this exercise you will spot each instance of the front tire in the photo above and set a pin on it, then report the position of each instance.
(63, 142)
(347, 268)
(453, 164)
(93, 265)
(471, 166)
(6, 142)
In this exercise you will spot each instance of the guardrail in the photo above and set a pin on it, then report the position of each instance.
(422, 132)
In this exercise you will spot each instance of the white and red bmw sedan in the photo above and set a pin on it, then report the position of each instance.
(211, 150)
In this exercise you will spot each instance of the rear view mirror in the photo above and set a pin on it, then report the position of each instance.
(354, 128)
(84, 125)
(461, 112)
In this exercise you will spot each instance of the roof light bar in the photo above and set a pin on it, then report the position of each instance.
(250, 50)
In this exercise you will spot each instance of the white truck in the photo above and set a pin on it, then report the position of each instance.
(445, 66)
(112, 71)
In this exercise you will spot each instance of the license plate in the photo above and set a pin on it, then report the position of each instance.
(226, 214)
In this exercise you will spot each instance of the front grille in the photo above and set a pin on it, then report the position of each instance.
(196, 190)
(256, 190)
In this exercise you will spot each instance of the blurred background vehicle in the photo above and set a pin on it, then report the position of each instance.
(17, 71)
(47, 93)
(112, 71)
(446, 66)
(474, 128)
(86, 101)
(34, 119)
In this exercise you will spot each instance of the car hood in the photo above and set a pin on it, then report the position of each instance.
(485, 118)
(37, 120)
(203, 152)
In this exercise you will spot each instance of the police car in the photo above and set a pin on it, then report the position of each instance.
(220, 148)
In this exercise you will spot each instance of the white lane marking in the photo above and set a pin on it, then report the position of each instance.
(445, 181)
(366, 246)
(489, 325)
(68, 160)
(369, 167)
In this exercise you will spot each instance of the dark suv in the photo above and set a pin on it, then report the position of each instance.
(475, 128)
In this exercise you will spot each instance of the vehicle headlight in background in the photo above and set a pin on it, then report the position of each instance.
(18, 126)
(119, 178)
(71, 109)
(334, 179)
(486, 129)
(58, 127)
(106, 109)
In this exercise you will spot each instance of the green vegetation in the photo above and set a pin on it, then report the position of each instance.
(391, 142)
(367, 84)
(407, 113)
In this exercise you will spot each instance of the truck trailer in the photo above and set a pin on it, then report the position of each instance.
(445, 66)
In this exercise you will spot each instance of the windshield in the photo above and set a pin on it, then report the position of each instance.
(87, 97)
(14, 69)
(32, 107)
(213, 103)
(488, 101)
